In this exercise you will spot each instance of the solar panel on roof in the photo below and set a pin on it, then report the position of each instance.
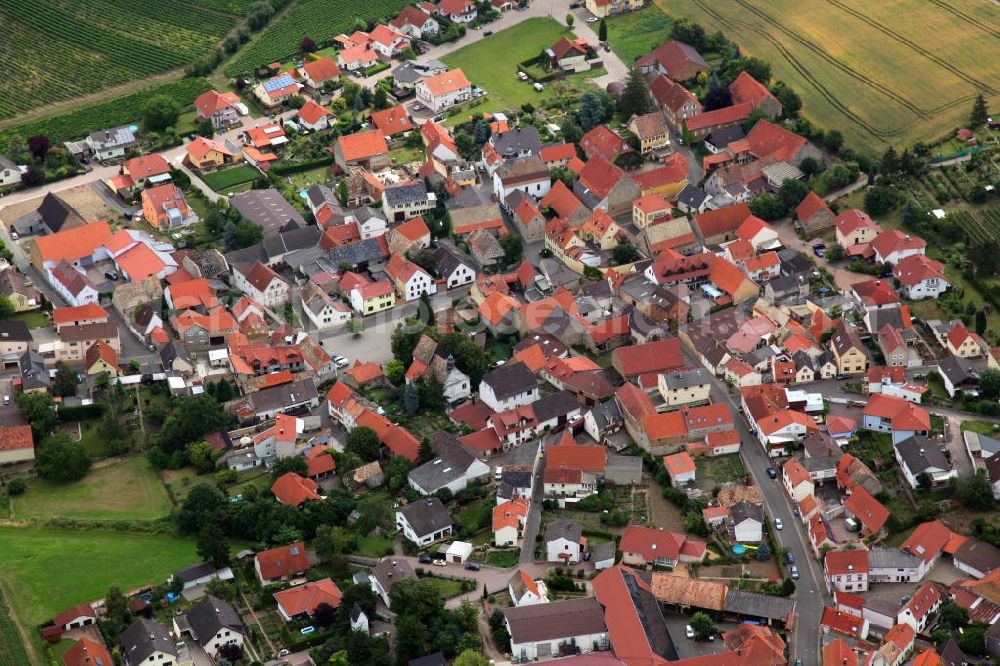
(278, 83)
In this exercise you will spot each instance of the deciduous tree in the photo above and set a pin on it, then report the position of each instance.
(213, 546)
(61, 460)
(364, 443)
(160, 113)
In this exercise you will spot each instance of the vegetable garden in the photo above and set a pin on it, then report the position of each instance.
(60, 49)
(980, 226)
(118, 111)
(320, 20)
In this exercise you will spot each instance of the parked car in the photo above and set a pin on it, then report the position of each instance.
(689, 632)
(425, 559)
(111, 275)
(13, 235)
(819, 252)
(789, 557)
(777, 524)
(586, 556)
(539, 87)
(522, 76)
(440, 563)
(498, 473)
(591, 19)
(773, 473)
(487, 33)
(795, 572)
(472, 566)
(419, 107)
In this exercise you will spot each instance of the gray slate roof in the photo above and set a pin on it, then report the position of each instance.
(758, 605)
(268, 209)
(921, 455)
(555, 405)
(980, 555)
(517, 141)
(404, 194)
(565, 529)
(509, 380)
(426, 516)
(284, 395)
(363, 251)
(144, 637)
(392, 570)
(892, 558)
(210, 615)
(686, 379)
(556, 620)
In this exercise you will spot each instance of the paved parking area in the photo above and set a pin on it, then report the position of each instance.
(943, 572)
(688, 647)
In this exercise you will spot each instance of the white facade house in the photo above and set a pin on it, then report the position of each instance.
(891, 565)
(72, 284)
(262, 284)
(444, 90)
(917, 457)
(508, 387)
(324, 312)
(798, 483)
(418, 283)
(10, 173)
(563, 542)
(528, 174)
(540, 631)
(213, 623)
(525, 592)
(425, 521)
(748, 522)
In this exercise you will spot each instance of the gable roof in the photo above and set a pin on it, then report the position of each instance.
(748, 89)
(321, 69)
(728, 219)
(283, 561)
(446, 82)
(73, 244)
(724, 116)
(292, 489)
(927, 540)
(363, 145)
(634, 619)
(766, 138)
(305, 598)
(393, 120)
(210, 616)
(86, 652)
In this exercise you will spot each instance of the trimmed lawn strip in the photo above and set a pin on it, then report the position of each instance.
(225, 179)
(33, 319)
(502, 558)
(125, 490)
(50, 570)
(447, 588)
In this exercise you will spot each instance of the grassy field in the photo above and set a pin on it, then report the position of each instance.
(226, 179)
(491, 62)
(47, 570)
(54, 50)
(124, 490)
(35, 319)
(883, 73)
(634, 34)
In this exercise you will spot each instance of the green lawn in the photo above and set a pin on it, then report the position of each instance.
(720, 469)
(405, 155)
(635, 34)
(34, 319)
(186, 123)
(502, 558)
(49, 570)
(447, 588)
(124, 490)
(317, 176)
(470, 516)
(491, 63)
(226, 179)
(93, 440)
(982, 427)
(374, 546)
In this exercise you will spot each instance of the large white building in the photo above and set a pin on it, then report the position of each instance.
(443, 90)
(540, 631)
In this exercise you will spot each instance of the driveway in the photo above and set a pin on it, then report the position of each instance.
(811, 594)
(789, 237)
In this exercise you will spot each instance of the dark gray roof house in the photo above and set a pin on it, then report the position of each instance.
(14, 330)
(751, 604)
(746, 511)
(451, 464)
(559, 620)
(317, 195)
(285, 396)
(509, 380)
(433, 659)
(977, 556)
(426, 516)
(210, 616)
(404, 194)
(34, 374)
(56, 214)
(519, 142)
(556, 406)
(960, 372)
(172, 351)
(271, 250)
(448, 259)
(723, 136)
(110, 139)
(686, 379)
(268, 209)
(144, 638)
(692, 197)
(392, 570)
(793, 262)
(563, 529)
(921, 455)
(362, 252)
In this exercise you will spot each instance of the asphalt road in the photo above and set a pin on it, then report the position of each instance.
(811, 593)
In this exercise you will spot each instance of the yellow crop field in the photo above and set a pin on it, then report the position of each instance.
(884, 73)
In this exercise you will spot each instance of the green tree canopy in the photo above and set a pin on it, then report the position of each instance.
(61, 460)
(160, 113)
(364, 443)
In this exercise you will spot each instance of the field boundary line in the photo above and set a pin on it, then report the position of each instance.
(888, 32)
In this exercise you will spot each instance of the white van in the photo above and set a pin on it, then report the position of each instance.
(498, 474)
(539, 87)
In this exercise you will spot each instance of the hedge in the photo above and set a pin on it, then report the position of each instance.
(289, 169)
(81, 412)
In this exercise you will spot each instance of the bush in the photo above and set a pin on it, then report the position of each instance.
(17, 487)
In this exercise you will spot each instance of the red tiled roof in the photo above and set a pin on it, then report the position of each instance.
(810, 205)
(86, 652)
(311, 112)
(211, 101)
(602, 142)
(724, 116)
(393, 120)
(679, 463)
(840, 562)
(657, 356)
(674, 170)
(362, 373)
(839, 653)
(305, 598)
(927, 540)
(414, 229)
(145, 166)
(844, 623)
(766, 138)
(903, 414)
(901, 636)
(72, 244)
(728, 219)
(202, 146)
(322, 69)
(79, 313)
(867, 509)
(283, 561)
(748, 89)
(446, 82)
(624, 620)
(795, 472)
(16, 438)
(916, 268)
(363, 145)
(70, 614)
(294, 490)
(557, 153)
(561, 199)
